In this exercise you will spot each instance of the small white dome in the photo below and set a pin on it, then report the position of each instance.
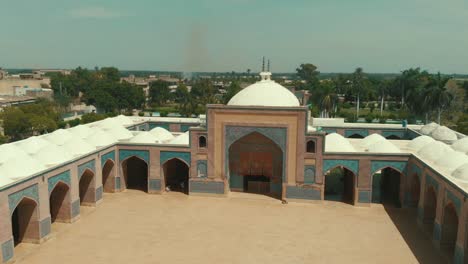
(120, 133)
(181, 140)
(144, 137)
(452, 160)
(52, 155)
(161, 134)
(444, 133)
(371, 139)
(311, 129)
(461, 173)
(419, 142)
(81, 131)
(77, 147)
(427, 129)
(109, 123)
(33, 144)
(265, 93)
(461, 145)
(383, 146)
(58, 137)
(99, 138)
(11, 150)
(124, 120)
(337, 143)
(434, 151)
(17, 168)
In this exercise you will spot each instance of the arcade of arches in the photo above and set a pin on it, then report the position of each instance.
(135, 172)
(176, 176)
(256, 165)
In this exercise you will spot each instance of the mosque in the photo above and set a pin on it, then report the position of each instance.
(263, 141)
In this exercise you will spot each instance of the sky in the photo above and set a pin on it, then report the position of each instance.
(381, 36)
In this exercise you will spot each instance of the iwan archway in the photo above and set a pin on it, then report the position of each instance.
(256, 165)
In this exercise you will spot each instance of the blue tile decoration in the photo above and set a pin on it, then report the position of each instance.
(62, 177)
(155, 184)
(364, 196)
(202, 169)
(275, 134)
(309, 174)
(352, 165)
(206, 187)
(416, 170)
(168, 155)
(431, 182)
(31, 192)
(382, 164)
(328, 130)
(75, 207)
(98, 193)
(163, 125)
(437, 232)
(127, 153)
(45, 227)
(397, 133)
(185, 128)
(459, 257)
(90, 165)
(109, 155)
(456, 202)
(361, 132)
(411, 134)
(7, 250)
(117, 183)
(296, 192)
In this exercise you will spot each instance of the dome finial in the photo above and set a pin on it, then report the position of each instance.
(265, 75)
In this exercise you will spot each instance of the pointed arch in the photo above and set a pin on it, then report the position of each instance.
(60, 203)
(135, 171)
(108, 175)
(86, 188)
(24, 221)
(176, 173)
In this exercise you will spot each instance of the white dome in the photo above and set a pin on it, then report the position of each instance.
(120, 133)
(461, 145)
(77, 147)
(265, 93)
(461, 173)
(452, 160)
(371, 139)
(427, 129)
(434, 151)
(81, 131)
(144, 137)
(444, 133)
(52, 155)
(109, 123)
(58, 137)
(124, 120)
(161, 134)
(181, 140)
(17, 168)
(337, 143)
(419, 142)
(99, 138)
(311, 129)
(32, 144)
(383, 146)
(8, 151)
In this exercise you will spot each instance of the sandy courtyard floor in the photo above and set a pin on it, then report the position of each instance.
(134, 227)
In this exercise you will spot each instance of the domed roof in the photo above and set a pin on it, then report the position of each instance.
(109, 123)
(383, 146)
(99, 138)
(444, 133)
(16, 168)
(81, 131)
(337, 143)
(52, 155)
(265, 93)
(420, 142)
(32, 144)
(11, 150)
(371, 139)
(461, 145)
(120, 133)
(124, 120)
(58, 137)
(427, 129)
(161, 134)
(144, 137)
(434, 151)
(78, 147)
(461, 173)
(181, 140)
(452, 160)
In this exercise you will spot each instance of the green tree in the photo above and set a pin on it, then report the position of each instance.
(308, 72)
(159, 92)
(184, 99)
(358, 87)
(16, 123)
(232, 90)
(437, 97)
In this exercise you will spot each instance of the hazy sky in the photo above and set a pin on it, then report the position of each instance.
(225, 35)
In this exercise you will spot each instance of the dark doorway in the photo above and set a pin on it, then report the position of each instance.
(59, 203)
(430, 207)
(86, 188)
(22, 221)
(339, 185)
(386, 187)
(108, 176)
(135, 174)
(449, 230)
(176, 176)
(256, 165)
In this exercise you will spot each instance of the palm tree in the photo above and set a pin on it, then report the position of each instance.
(436, 95)
(383, 87)
(358, 86)
(328, 99)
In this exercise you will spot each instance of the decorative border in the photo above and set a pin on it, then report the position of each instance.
(202, 165)
(309, 174)
(91, 165)
(154, 184)
(168, 155)
(45, 227)
(7, 250)
(361, 132)
(388, 133)
(352, 165)
(296, 192)
(127, 153)
(62, 177)
(109, 155)
(364, 196)
(99, 193)
(382, 164)
(31, 192)
(75, 208)
(456, 202)
(117, 183)
(206, 187)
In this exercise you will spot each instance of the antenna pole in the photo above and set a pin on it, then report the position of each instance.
(263, 64)
(268, 66)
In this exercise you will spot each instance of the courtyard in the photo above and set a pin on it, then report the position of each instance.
(134, 227)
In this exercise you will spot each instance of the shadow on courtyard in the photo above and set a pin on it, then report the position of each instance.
(417, 240)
